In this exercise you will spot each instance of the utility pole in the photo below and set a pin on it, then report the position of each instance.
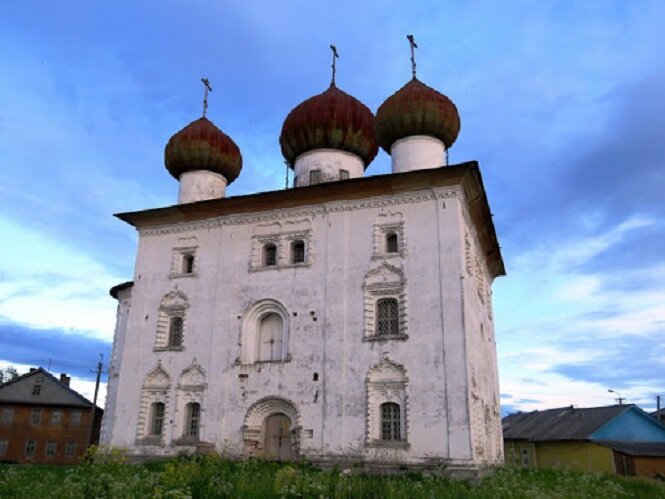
(93, 408)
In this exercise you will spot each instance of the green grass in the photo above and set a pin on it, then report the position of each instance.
(213, 477)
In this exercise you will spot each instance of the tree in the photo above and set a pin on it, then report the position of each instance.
(7, 374)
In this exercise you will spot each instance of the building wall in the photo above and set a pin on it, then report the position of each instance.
(575, 455)
(649, 466)
(21, 429)
(326, 303)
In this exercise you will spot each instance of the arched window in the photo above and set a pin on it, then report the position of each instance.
(298, 252)
(156, 418)
(390, 421)
(387, 317)
(270, 338)
(175, 332)
(188, 263)
(269, 255)
(392, 243)
(193, 420)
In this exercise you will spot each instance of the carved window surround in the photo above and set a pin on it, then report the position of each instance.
(178, 269)
(283, 241)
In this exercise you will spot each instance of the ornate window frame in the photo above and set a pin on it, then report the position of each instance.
(283, 241)
(179, 262)
(174, 304)
(386, 382)
(155, 389)
(250, 331)
(385, 225)
(190, 390)
(384, 281)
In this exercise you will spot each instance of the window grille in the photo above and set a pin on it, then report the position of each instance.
(343, 174)
(269, 255)
(30, 448)
(175, 332)
(193, 419)
(387, 316)
(7, 415)
(51, 448)
(56, 416)
(157, 419)
(36, 416)
(75, 418)
(298, 252)
(392, 245)
(390, 421)
(70, 448)
(314, 177)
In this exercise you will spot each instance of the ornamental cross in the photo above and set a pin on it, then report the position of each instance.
(412, 42)
(207, 89)
(333, 66)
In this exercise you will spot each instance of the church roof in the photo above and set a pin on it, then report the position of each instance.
(203, 146)
(466, 175)
(332, 120)
(416, 109)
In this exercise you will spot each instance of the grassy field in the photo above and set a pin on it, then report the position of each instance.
(212, 477)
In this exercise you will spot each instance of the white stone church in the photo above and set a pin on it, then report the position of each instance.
(348, 318)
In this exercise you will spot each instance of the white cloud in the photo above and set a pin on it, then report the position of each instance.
(550, 302)
(46, 284)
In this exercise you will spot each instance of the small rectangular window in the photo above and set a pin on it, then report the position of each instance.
(30, 448)
(56, 417)
(298, 252)
(525, 457)
(7, 415)
(343, 174)
(314, 177)
(4, 444)
(36, 416)
(75, 418)
(70, 448)
(51, 448)
(36, 389)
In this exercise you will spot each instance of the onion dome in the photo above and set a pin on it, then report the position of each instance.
(416, 109)
(203, 146)
(333, 120)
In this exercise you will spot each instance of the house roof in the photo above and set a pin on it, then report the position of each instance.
(659, 413)
(565, 423)
(655, 449)
(53, 392)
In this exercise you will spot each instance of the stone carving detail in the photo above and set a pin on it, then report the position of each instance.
(282, 235)
(294, 213)
(186, 246)
(253, 427)
(386, 382)
(156, 388)
(174, 304)
(384, 224)
(384, 281)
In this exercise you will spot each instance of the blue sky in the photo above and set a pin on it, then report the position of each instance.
(562, 103)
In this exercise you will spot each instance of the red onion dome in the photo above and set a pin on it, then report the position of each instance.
(203, 146)
(333, 120)
(416, 109)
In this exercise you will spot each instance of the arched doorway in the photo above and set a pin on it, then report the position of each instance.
(278, 437)
(272, 429)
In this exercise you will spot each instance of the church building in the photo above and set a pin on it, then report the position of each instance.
(345, 319)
